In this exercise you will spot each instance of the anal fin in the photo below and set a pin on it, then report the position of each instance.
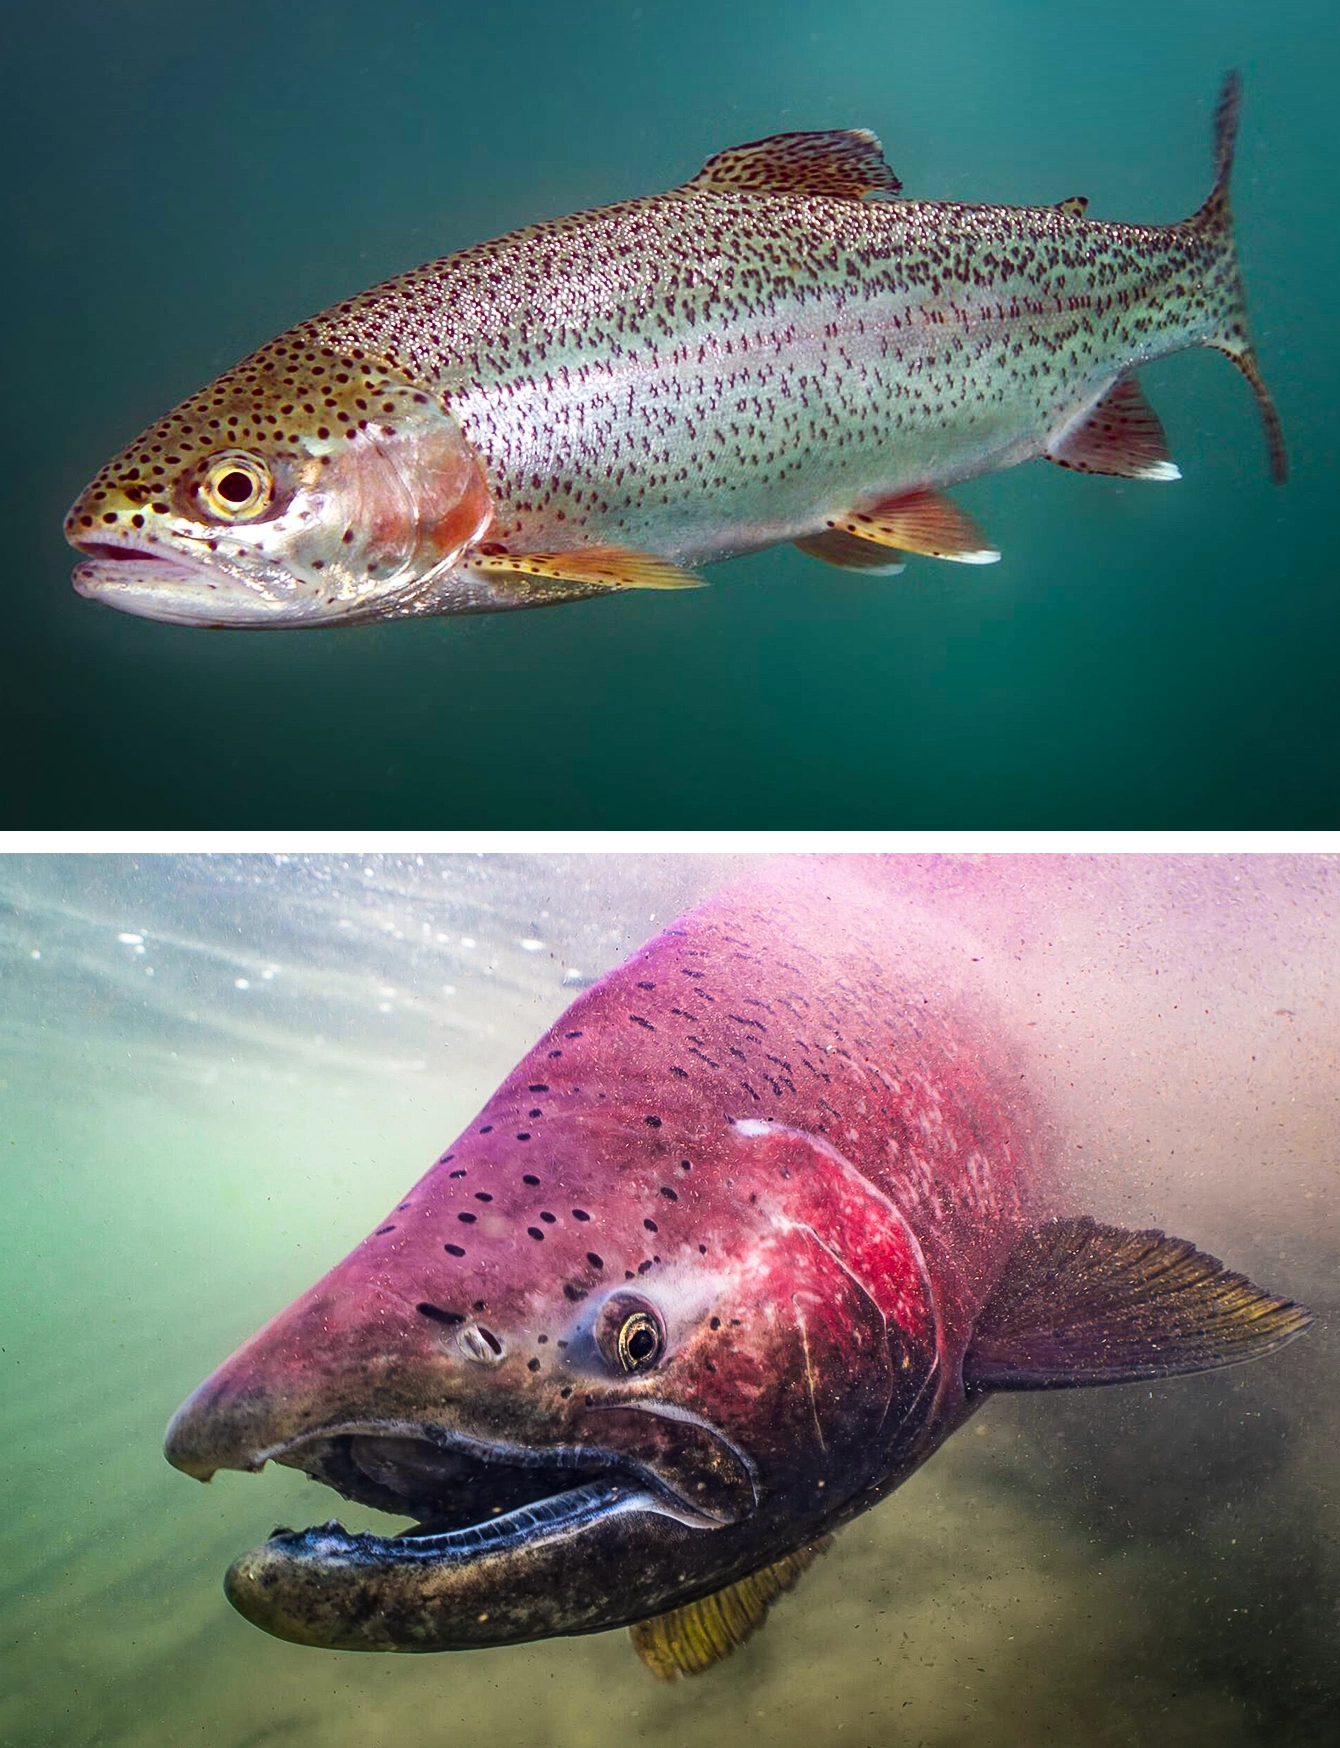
(847, 552)
(687, 1640)
(1119, 434)
(590, 568)
(922, 521)
(1083, 1303)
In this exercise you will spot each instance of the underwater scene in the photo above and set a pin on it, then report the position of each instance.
(223, 1074)
(861, 261)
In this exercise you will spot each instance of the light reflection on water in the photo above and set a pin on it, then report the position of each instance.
(191, 1148)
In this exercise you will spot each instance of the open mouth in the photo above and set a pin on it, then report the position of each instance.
(467, 1497)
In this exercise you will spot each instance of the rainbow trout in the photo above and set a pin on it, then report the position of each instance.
(750, 1231)
(601, 402)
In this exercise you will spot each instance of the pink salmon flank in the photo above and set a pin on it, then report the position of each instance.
(780, 350)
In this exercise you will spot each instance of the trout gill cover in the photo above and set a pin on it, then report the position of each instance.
(783, 349)
(754, 1227)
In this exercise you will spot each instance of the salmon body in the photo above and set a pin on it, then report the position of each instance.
(780, 350)
(749, 1232)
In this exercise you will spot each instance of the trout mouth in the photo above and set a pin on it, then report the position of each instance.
(176, 586)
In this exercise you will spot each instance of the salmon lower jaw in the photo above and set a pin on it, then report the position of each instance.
(430, 1590)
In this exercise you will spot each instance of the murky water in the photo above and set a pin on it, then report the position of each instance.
(218, 1073)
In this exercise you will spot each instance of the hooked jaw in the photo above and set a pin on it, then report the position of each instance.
(512, 1538)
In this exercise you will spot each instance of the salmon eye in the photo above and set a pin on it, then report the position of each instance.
(237, 487)
(640, 1342)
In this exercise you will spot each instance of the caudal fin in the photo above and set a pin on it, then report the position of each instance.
(1230, 335)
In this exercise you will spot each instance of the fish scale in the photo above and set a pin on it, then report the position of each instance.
(727, 368)
(782, 349)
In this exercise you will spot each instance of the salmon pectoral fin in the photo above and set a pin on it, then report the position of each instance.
(1119, 434)
(687, 1640)
(589, 568)
(849, 553)
(844, 164)
(1083, 1303)
(922, 521)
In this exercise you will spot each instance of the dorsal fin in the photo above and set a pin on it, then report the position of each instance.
(687, 1640)
(1074, 206)
(845, 164)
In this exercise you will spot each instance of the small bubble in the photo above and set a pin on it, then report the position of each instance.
(241, 983)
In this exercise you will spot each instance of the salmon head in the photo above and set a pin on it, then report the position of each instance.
(618, 1349)
(308, 485)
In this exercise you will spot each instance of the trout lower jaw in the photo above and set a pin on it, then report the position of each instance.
(176, 586)
(502, 1534)
(171, 586)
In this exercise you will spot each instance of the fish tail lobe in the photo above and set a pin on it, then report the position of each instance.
(1213, 224)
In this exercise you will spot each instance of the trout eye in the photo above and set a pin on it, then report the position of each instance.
(237, 487)
(640, 1342)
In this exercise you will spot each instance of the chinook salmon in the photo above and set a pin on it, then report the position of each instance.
(602, 402)
(751, 1230)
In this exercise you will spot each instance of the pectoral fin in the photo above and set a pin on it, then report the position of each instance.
(590, 568)
(1084, 1303)
(921, 521)
(1119, 434)
(687, 1640)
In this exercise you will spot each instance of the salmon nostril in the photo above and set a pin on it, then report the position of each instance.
(480, 1344)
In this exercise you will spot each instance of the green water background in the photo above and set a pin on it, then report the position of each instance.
(218, 1075)
(184, 184)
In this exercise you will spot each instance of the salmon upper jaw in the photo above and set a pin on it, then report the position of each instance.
(452, 1484)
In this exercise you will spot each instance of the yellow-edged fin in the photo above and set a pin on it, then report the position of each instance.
(847, 553)
(844, 164)
(687, 1640)
(1083, 1303)
(923, 521)
(589, 567)
(1075, 206)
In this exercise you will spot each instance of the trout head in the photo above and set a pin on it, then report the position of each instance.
(306, 486)
(608, 1361)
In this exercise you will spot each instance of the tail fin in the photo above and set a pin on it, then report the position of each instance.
(1214, 218)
